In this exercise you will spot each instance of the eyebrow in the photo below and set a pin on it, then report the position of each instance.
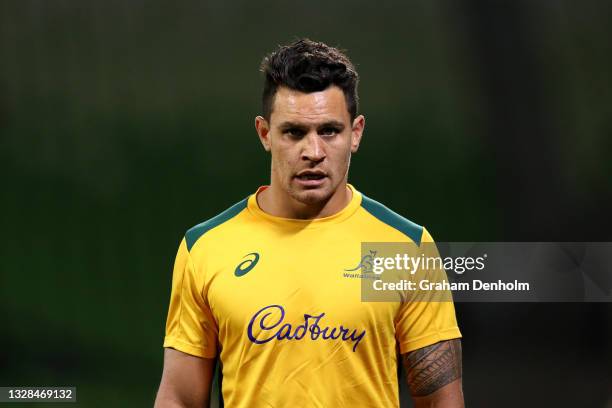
(296, 125)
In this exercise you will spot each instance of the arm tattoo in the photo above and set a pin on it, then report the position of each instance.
(432, 367)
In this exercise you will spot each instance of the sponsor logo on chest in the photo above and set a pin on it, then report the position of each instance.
(268, 325)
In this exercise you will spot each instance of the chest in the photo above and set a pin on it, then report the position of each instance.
(292, 289)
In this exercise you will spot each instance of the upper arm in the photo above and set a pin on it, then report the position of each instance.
(191, 338)
(186, 380)
(434, 374)
(428, 338)
(190, 326)
(426, 316)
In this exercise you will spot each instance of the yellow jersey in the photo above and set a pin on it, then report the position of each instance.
(271, 298)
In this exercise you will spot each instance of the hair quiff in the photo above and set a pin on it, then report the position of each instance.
(308, 66)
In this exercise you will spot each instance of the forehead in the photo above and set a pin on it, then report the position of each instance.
(313, 107)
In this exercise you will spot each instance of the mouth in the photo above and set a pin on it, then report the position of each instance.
(310, 178)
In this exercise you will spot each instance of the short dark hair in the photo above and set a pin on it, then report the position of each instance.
(308, 66)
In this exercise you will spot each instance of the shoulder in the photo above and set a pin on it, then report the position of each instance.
(382, 213)
(196, 232)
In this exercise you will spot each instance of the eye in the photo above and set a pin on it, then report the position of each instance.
(329, 131)
(294, 132)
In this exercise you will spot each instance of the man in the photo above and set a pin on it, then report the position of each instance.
(261, 285)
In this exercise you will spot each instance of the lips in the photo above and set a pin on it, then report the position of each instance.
(311, 174)
(311, 178)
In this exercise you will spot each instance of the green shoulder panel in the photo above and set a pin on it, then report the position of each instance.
(384, 214)
(193, 234)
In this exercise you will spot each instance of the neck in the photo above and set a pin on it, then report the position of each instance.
(279, 203)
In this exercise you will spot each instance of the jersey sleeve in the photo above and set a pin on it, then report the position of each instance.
(190, 327)
(426, 320)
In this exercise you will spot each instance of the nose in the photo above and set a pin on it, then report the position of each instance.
(314, 149)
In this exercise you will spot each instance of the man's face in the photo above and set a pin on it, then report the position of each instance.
(311, 138)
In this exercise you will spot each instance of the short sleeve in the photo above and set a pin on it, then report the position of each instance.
(190, 326)
(425, 320)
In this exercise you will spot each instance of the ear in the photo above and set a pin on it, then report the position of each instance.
(263, 131)
(357, 132)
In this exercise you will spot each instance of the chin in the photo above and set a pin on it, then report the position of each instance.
(312, 196)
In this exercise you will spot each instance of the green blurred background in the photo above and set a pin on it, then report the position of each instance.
(123, 123)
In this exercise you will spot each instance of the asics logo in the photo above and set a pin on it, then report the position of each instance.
(245, 266)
